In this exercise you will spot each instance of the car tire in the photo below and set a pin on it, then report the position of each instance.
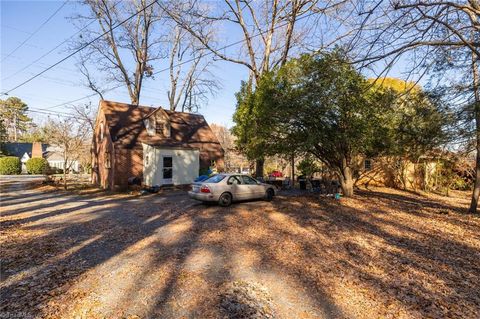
(269, 194)
(225, 200)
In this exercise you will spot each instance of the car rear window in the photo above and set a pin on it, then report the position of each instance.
(214, 179)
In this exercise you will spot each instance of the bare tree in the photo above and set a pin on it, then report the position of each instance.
(126, 51)
(85, 117)
(233, 159)
(191, 81)
(441, 39)
(270, 31)
(71, 139)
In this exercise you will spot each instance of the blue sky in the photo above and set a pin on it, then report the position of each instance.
(63, 83)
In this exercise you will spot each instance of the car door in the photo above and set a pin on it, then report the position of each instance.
(234, 185)
(252, 189)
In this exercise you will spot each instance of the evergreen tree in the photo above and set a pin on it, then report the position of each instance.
(13, 112)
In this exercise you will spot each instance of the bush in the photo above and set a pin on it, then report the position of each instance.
(308, 166)
(10, 165)
(37, 165)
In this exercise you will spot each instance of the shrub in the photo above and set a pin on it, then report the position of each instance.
(10, 165)
(37, 165)
(308, 166)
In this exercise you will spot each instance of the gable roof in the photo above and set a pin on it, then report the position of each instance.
(126, 127)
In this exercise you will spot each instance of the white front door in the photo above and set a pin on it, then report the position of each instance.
(167, 169)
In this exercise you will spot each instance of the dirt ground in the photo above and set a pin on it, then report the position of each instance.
(382, 254)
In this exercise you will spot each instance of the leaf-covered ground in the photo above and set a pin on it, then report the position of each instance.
(383, 253)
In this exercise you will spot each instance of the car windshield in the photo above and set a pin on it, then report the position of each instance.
(214, 179)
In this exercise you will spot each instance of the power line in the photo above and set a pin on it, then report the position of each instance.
(44, 55)
(65, 115)
(15, 29)
(35, 32)
(79, 49)
(175, 65)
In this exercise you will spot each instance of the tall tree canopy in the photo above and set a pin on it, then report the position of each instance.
(321, 105)
(416, 122)
(13, 112)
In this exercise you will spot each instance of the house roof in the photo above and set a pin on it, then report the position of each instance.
(19, 149)
(126, 126)
(53, 153)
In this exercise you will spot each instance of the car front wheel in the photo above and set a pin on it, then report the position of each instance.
(225, 200)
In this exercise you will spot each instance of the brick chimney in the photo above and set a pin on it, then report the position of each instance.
(37, 149)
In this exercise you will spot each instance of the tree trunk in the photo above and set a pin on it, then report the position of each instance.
(293, 170)
(259, 167)
(476, 189)
(65, 179)
(346, 181)
(65, 172)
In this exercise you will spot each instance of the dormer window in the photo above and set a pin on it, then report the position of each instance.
(166, 130)
(158, 124)
(160, 128)
(150, 125)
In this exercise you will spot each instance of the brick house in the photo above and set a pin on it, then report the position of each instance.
(157, 146)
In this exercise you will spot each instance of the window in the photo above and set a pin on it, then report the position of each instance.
(160, 128)
(150, 125)
(367, 164)
(167, 167)
(215, 179)
(167, 130)
(248, 180)
(233, 180)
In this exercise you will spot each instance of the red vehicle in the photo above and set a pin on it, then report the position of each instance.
(276, 174)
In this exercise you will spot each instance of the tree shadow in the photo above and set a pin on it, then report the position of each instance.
(402, 248)
(177, 256)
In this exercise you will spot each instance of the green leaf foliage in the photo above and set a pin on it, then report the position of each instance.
(13, 112)
(415, 122)
(10, 165)
(322, 106)
(308, 166)
(37, 165)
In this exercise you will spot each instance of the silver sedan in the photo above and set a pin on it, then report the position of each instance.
(225, 188)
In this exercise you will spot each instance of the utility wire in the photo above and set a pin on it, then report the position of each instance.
(165, 69)
(35, 32)
(79, 49)
(64, 115)
(44, 55)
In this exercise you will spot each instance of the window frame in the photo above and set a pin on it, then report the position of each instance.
(236, 178)
(250, 178)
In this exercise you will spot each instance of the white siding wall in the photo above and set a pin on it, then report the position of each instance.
(74, 165)
(186, 165)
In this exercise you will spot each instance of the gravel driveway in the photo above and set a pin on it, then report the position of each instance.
(119, 256)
